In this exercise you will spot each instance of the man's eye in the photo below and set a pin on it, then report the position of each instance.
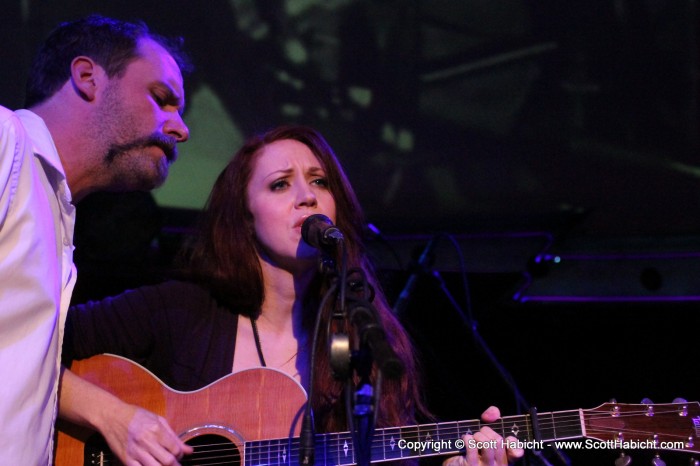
(161, 100)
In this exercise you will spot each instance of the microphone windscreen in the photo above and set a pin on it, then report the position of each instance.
(313, 229)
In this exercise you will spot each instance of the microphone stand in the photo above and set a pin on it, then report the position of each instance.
(372, 349)
(371, 346)
(424, 262)
(469, 321)
(521, 403)
(360, 403)
(361, 406)
(307, 437)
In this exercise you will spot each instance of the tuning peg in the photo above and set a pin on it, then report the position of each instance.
(657, 461)
(680, 400)
(647, 401)
(623, 460)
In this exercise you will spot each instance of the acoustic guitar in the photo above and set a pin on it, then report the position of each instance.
(252, 418)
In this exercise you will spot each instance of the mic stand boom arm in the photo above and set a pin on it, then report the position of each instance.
(502, 371)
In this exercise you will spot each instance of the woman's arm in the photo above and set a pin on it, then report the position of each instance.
(133, 434)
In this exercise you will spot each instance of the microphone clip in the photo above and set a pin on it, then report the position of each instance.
(327, 264)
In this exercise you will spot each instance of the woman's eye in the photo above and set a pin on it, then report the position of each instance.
(321, 182)
(279, 184)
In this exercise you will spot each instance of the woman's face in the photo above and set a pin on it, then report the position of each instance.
(287, 185)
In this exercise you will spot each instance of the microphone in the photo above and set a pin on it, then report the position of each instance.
(318, 231)
(369, 329)
(423, 263)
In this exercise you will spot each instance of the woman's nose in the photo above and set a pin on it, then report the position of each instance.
(306, 197)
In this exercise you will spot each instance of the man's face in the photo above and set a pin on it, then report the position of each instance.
(139, 120)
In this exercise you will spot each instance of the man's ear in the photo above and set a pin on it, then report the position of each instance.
(86, 76)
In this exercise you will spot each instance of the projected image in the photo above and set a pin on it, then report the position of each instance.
(453, 115)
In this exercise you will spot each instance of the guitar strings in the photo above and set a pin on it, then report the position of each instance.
(561, 424)
(287, 449)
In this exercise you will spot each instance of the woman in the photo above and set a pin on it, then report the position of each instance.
(251, 291)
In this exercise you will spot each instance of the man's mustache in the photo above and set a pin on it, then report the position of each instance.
(166, 143)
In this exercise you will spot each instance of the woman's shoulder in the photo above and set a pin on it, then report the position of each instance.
(177, 285)
(175, 291)
(178, 294)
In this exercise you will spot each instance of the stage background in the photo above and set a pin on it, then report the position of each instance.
(553, 144)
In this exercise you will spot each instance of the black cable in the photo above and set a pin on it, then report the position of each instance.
(307, 435)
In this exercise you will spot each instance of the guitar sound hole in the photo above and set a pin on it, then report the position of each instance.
(209, 449)
(96, 451)
(212, 449)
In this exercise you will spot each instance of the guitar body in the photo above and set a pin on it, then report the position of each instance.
(253, 417)
(249, 405)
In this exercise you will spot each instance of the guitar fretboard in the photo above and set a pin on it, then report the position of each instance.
(397, 443)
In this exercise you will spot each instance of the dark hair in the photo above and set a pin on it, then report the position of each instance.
(111, 43)
(226, 230)
(222, 257)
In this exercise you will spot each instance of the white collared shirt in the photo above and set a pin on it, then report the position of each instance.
(37, 276)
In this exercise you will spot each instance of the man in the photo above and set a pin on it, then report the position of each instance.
(104, 101)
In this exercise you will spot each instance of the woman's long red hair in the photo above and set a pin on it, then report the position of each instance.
(222, 257)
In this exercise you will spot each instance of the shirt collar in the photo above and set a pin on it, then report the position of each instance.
(43, 146)
(42, 141)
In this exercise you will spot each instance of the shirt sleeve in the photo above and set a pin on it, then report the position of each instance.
(120, 325)
(175, 329)
(11, 151)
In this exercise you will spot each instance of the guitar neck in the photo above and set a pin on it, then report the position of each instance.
(416, 441)
(225, 422)
(669, 426)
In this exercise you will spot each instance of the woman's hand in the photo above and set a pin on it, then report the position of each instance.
(144, 438)
(136, 436)
(486, 447)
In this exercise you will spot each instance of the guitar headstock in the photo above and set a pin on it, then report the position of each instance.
(663, 426)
